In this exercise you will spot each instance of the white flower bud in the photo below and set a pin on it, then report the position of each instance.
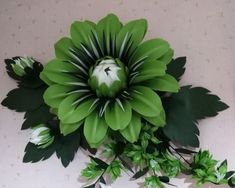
(41, 136)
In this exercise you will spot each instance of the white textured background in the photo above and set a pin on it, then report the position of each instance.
(204, 31)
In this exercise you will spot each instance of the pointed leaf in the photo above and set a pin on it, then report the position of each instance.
(140, 173)
(185, 151)
(132, 131)
(95, 128)
(145, 101)
(118, 116)
(100, 164)
(125, 164)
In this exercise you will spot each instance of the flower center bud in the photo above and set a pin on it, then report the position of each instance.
(108, 77)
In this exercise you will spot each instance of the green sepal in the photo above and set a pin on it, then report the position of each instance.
(132, 131)
(95, 129)
(118, 115)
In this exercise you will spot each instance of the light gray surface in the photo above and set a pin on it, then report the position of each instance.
(204, 31)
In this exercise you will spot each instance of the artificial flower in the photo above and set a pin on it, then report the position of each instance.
(104, 77)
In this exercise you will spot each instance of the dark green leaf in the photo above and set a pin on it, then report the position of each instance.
(164, 179)
(229, 174)
(184, 151)
(140, 173)
(90, 186)
(200, 102)
(33, 118)
(67, 146)
(102, 180)
(184, 108)
(100, 164)
(180, 125)
(34, 154)
(119, 148)
(125, 164)
(187, 171)
(64, 146)
(176, 67)
(24, 99)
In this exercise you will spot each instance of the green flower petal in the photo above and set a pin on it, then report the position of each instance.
(167, 57)
(54, 94)
(130, 36)
(164, 83)
(63, 47)
(71, 112)
(145, 101)
(81, 32)
(118, 115)
(150, 70)
(62, 73)
(66, 129)
(107, 29)
(95, 129)
(45, 79)
(132, 131)
(159, 120)
(149, 50)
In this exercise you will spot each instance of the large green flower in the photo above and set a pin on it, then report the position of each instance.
(104, 77)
